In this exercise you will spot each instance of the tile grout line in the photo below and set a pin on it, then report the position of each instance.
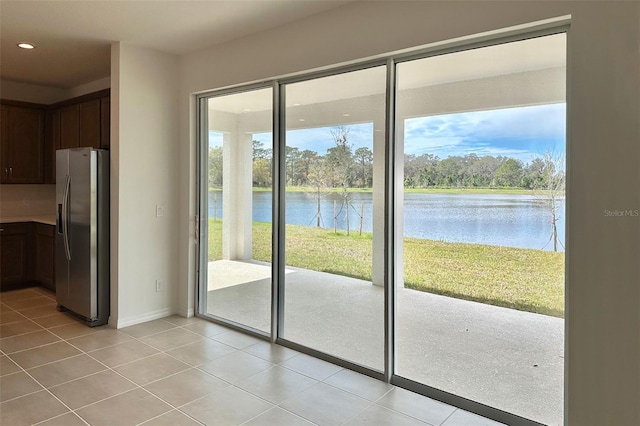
(61, 415)
(142, 386)
(177, 411)
(407, 414)
(371, 403)
(189, 366)
(37, 346)
(283, 409)
(448, 417)
(137, 386)
(49, 392)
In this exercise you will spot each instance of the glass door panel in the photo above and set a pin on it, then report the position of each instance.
(334, 298)
(238, 208)
(480, 301)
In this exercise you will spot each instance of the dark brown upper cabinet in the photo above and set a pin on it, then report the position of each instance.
(77, 122)
(90, 129)
(22, 144)
(105, 121)
(69, 127)
(31, 133)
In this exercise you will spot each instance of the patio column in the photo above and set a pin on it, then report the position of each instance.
(378, 201)
(398, 225)
(237, 188)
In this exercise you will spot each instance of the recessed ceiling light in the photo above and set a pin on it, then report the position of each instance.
(246, 110)
(26, 45)
(346, 115)
(302, 119)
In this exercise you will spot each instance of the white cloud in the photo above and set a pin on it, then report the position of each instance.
(521, 133)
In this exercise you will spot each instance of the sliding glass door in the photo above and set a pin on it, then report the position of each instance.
(409, 214)
(333, 294)
(236, 208)
(480, 302)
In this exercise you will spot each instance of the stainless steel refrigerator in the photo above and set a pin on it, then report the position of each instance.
(82, 235)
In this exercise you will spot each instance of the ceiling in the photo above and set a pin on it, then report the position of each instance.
(73, 38)
(520, 57)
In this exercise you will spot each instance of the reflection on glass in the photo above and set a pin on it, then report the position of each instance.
(334, 299)
(239, 222)
(481, 297)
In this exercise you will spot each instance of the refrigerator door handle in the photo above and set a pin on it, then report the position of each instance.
(65, 217)
(59, 222)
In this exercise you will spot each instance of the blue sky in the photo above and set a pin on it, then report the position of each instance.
(523, 133)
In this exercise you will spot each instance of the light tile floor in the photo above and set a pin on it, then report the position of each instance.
(181, 371)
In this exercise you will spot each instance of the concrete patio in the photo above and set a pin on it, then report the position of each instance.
(501, 357)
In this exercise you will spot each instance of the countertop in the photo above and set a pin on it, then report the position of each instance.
(46, 219)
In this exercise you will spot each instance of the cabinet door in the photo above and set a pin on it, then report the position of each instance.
(14, 254)
(69, 127)
(25, 145)
(51, 144)
(90, 123)
(4, 141)
(105, 121)
(44, 268)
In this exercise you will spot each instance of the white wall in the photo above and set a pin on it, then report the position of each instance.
(603, 272)
(144, 174)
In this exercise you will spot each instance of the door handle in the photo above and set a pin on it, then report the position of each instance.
(60, 219)
(65, 218)
(196, 226)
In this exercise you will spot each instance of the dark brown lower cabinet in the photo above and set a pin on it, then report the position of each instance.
(15, 253)
(45, 261)
(26, 255)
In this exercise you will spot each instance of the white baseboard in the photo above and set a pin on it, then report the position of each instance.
(138, 319)
(186, 312)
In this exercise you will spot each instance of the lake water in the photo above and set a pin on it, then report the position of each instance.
(497, 219)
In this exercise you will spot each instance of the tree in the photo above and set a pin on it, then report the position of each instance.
(340, 162)
(340, 158)
(262, 172)
(292, 165)
(550, 188)
(318, 178)
(428, 170)
(259, 151)
(261, 166)
(215, 166)
(449, 171)
(509, 173)
(364, 157)
(307, 157)
(536, 174)
(482, 171)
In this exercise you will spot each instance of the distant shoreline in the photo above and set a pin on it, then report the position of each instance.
(513, 191)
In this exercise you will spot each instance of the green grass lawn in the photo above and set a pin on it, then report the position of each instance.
(524, 279)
